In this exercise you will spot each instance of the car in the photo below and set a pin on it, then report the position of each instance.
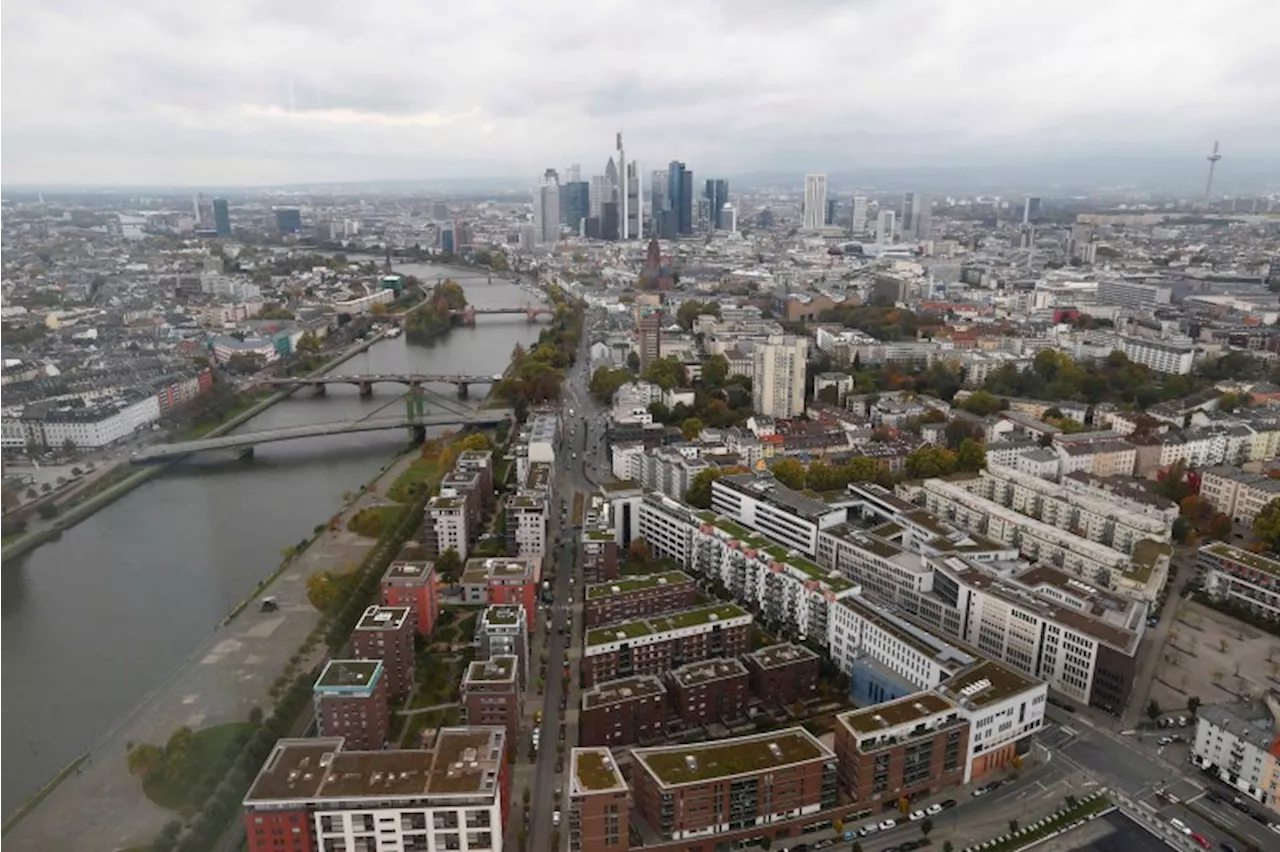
(934, 809)
(555, 817)
(1202, 841)
(888, 824)
(911, 845)
(948, 804)
(1182, 721)
(1228, 847)
(868, 829)
(1165, 741)
(823, 844)
(1181, 826)
(916, 816)
(537, 716)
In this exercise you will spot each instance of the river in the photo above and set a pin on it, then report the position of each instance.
(95, 619)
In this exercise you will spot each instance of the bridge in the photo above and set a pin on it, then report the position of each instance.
(467, 316)
(365, 382)
(246, 441)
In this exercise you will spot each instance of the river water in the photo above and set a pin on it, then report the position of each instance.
(96, 619)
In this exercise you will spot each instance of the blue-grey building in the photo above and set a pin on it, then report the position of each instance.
(221, 217)
(288, 220)
(575, 203)
(680, 196)
(717, 194)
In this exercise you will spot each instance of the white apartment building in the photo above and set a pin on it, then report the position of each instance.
(668, 471)
(1236, 742)
(1133, 294)
(527, 527)
(1237, 494)
(763, 505)
(446, 526)
(881, 567)
(666, 525)
(777, 388)
(1241, 577)
(1160, 355)
(96, 425)
(1002, 707)
(859, 630)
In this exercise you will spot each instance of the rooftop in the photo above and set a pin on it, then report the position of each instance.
(1252, 721)
(383, 618)
(985, 683)
(503, 615)
(594, 771)
(463, 761)
(494, 669)
(665, 623)
(706, 671)
(1146, 555)
(349, 676)
(627, 689)
(767, 489)
(833, 580)
(891, 714)
(781, 654)
(1245, 557)
(636, 583)
(409, 571)
(684, 764)
(497, 568)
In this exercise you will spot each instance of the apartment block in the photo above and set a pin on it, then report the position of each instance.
(760, 503)
(599, 803)
(315, 794)
(709, 691)
(446, 526)
(499, 581)
(623, 712)
(598, 555)
(527, 527)
(1241, 577)
(1238, 494)
(1237, 743)
(635, 597)
(412, 584)
(668, 471)
(491, 694)
(350, 699)
(1161, 356)
(386, 633)
(1003, 708)
(783, 674)
(659, 644)
(665, 524)
(503, 631)
(704, 789)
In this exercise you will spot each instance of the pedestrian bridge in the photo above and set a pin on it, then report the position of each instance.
(366, 381)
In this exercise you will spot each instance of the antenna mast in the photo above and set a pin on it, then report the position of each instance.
(1213, 161)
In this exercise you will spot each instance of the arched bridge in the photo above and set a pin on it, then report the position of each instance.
(366, 381)
(467, 316)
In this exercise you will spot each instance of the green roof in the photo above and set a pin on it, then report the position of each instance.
(661, 624)
(348, 675)
(594, 770)
(1245, 557)
(726, 758)
(834, 581)
(636, 582)
(1146, 554)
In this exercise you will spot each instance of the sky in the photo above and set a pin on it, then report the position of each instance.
(261, 92)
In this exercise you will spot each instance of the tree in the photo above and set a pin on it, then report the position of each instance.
(1266, 526)
(1193, 704)
(689, 312)
(145, 761)
(68, 446)
(824, 477)
(1219, 526)
(1153, 710)
(958, 430)
(449, 565)
(930, 461)
(766, 842)
(926, 826)
(246, 362)
(948, 846)
(666, 373)
(789, 472)
(714, 371)
(972, 456)
(861, 469)
(633, 362)
(638, 551)
(309, 343)
(699, 493)
(983, 402)
(691, 428)
(605, 382)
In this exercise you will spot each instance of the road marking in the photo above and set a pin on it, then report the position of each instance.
(1199, 795)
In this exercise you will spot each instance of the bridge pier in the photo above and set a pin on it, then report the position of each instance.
(320, 390)
(463, 390)
(366, 388)
(417, 434)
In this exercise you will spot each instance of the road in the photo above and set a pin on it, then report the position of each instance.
(1151, 649)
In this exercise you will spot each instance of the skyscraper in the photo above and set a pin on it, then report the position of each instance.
(680, 196)
(288, 220)
(884, 227)
(573, 174)
(576, 204)
(658, 192)
(609, 220)
(833, 211)
(624, 192)
(649, 328)
(915, 222)
(546, 207)
(1031, 211)
(815, 202)
(221, 217)
(777, 390)
(729, 219)
(718, 195)
(611, 172)
(600, 192)
(859, 223)
(635, 202)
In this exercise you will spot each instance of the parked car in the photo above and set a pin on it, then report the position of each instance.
(555, 817)
(869, 829)
(1181, 826)
(934, 809)
(888, 824)
(916, 816)
(1202, 841)
(948, 804)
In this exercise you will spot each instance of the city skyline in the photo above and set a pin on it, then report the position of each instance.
(153, 101)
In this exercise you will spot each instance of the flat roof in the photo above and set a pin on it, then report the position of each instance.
(383, 618)
(707, 671)
(1146, 555)
(409, 571)
(922, 641)
(635, 583)
(834, 580)
(618, 691)
(985, 683)
(664, 623)
(496, 568)
(769, 490)
(697, 762)
(782, 654)
(349, 676)
(463, 761)
(593, 771)
(1245, 557)
(497, 668)
(891, 714)
(504, 615)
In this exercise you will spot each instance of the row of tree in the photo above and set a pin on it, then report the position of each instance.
(535, 375)
(436, 316)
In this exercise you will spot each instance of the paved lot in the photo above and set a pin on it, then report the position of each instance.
(1113, 833)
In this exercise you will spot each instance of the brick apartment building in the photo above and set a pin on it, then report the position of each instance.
(639, 597)
(599, 803)
(412, 584)
(598, 555)
(502, 581)
(659, 644)
(386, 633)
(902, 749)
(491, 694)
(350, 699)
(709, 691)
(694, 790)
(623, 712)
(783, 674)
(472, 480)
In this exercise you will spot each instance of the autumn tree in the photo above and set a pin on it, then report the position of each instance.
(714, 371)
(691, 428)
(972, 456)
(1266, 526)
(145, 760)
(638, 550)
(449, 565)
(930, 461)
(789, 472)
(824, 477)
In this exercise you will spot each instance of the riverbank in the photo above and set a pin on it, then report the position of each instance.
(55, 526)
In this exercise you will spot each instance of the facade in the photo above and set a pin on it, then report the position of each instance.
(599, 803)
(386, 633)
(655, 645)
(859, 221)
(1160, 355)
(1003, 709)
(777, 390)
(1242, 578)
(648, 320)
(546, 207)
(315, 794)
(623, 712)
(815, 203)
(499, 581)
(350, 699)
(412, 584)
(598, 555)
(1237, 743)
(709, 691)
(698, 790)
(1237, 494)
(503, 631)
(783, 674)
(446, 527)
(491, 694)
(639, 597)
(766, 506)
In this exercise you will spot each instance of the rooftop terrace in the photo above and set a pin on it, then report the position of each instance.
(494, 669)
(497, 568)
(627, 689)
(781, 654)
(348, 676)
(503, 615)
(1256, 561)
(891, 714)
(684, 764)
(707, 671)
(663, 624)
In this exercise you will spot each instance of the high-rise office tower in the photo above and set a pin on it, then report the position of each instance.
(717, 193)
(288, 220)
(635, 202)
(777, 389)
(611, 172)
(915, 221)
(573, 174)
(729, 219)
(624, 191)
(884, 227)
(546, 207)
(1031, 211)
(833, 210)
(221, 217)
(609, 221)
(815, 201)
(575, 204)
(859, 223)
(658, 192)
(600, 192)
(680, 196)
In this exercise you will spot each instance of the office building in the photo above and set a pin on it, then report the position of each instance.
(498, 581)
(658, 644)
(599, 809)
(858, 223)
(1160, 355)
(710, 691)
(1237, 743)
(314, 794)
(634, 217)
(832, 213)
(503, 631)
(680, 196)
(717, 195)
(815, 202)
(599, 192)
(1031, 211)
(491, 694)
(783, 674)
(915, 222)
(546, 207)
(624, 712)
(288, 219)
(386, 633)
(1134, 295)
(412, 584)
(640, 596)
(777, 390)
(575, 200)
(694, 790)
(221, 217)
(350, 700)
(729, 219)
(1241, 578)
(762, 504)
(885, 227)
(609, 221)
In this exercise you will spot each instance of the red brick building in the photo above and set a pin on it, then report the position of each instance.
(639, 597)
(491, 694)
(709, 691)
(700, 789)
(659, 644)
(386, 633)
(599, 803)
(350, 699)
(502, 580)
(623, 712)
(903, 749)
(598, 555)
(412, 584)
(783, 674)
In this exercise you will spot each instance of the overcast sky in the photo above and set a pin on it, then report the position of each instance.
(235, 92)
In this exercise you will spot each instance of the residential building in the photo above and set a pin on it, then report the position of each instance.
(655, 645)
(491, 694)
(815, 202)
(777, 390)
(501, 581)
(350, 700)
(762, 504)
(1003, 709)
(1236, 742)
(783, 674)
(446, 527)
(1242, 578)
(527, 526)
(502, 631)
(648, 320)
(313, 794)
(1134, 295)
(635, 597)
(623, 712)
(1239, 495)
(386, 633)
(709, 691)
(696, 790)
(412, 584)
(598, 555)
(1162, 356)
(599, 803)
